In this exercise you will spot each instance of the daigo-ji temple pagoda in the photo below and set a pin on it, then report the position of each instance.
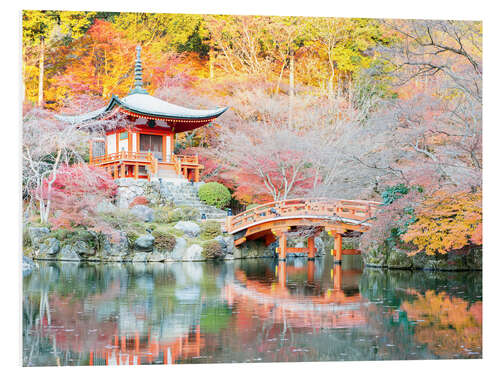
(143, 147)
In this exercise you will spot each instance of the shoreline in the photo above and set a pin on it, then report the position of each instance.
(365, 265)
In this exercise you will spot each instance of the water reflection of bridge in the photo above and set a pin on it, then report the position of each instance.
(330, 308)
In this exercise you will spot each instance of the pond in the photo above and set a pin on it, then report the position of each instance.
(257, 310)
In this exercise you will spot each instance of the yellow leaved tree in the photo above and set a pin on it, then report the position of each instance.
(446, 221)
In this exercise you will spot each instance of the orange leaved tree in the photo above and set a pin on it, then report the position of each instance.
(446, 221)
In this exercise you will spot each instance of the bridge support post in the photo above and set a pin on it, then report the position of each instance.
(282, 274)
(338, 248)
(282, 242)
(311, 249)
(337, 277)
(310, 271)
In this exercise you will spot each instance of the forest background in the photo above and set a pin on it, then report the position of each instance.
(351, 108)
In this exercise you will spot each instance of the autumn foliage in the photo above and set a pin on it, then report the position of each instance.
(76, 194)
(446, 221)
(319, 106)
(140, 200)
(446, 324)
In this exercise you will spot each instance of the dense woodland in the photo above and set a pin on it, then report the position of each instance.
(388, 110)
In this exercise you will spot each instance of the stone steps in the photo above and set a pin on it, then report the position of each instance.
(183, 193)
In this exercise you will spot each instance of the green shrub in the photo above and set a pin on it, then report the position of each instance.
(212, 250)
(210, 229)
(131, 237)
(26, 237)
(164, 241)
(62, 234)
(214, 194)
(184, 214)
(162, 215)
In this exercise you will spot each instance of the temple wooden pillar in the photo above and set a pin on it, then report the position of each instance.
(122, 171)
(136, 171)
(164, 147)
(196, 174)
(338, 248)
(115, 171)
(311, 249)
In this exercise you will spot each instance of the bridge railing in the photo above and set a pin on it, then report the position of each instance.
(347, 209)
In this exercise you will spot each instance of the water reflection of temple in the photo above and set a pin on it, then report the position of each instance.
(308, 305)
(120, 324)
(136, 350)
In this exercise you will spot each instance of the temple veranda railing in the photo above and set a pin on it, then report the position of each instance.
(124, 158)
(358, 210)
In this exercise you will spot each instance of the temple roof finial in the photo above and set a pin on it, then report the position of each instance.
(138, 89)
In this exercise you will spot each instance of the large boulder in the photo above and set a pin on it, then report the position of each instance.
(179, 249)
(190, 228)
(36, 234)
(143, 213)
(68, 253)
(49, 248)
(222, 243)
(230, 248)
(128, 189)
(144, 243)
(82, 248)
(193, 252)
(115, 248)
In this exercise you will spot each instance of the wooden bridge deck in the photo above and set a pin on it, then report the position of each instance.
(273, 220)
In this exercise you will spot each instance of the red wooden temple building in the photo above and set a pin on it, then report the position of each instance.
(143, 147)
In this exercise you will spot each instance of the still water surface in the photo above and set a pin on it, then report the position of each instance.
(246, 311)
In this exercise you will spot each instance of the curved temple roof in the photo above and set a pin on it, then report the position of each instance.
(147, 105)
(138, 102)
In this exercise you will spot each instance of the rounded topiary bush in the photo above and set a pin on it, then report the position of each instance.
(212, 250)
(164, 241)
(210, 229)
(214, 194)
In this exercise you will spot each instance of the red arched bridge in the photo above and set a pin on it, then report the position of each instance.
(271, 221)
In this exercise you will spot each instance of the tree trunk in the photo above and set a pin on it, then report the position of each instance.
(292, 87)
(211, 59)
(41, 69)
(280, 77)
(330, 85)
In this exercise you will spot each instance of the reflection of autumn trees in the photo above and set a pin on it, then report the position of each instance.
(447, 324)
